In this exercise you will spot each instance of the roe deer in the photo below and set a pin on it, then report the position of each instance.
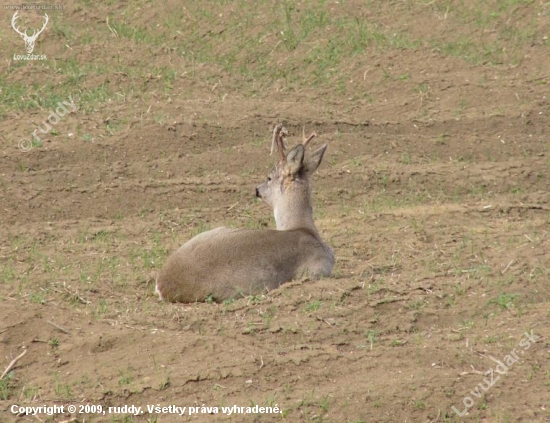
(227, 263)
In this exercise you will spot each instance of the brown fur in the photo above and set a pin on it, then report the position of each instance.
(229, 263)
(232, 263)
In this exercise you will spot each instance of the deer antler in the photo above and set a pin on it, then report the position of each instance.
(35, 33)
(305, 141)
(46, 19)
(16, 28)
(279, 133)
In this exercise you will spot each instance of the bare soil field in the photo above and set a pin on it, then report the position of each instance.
(434, 195)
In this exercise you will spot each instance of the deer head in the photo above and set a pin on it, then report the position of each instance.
(287, 188)
(29, 40)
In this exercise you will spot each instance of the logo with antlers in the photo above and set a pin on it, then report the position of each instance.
(29, 40)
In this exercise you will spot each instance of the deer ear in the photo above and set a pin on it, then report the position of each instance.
(294, 160)
(313, 161)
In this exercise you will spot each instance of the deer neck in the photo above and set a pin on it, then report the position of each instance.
(296, 213)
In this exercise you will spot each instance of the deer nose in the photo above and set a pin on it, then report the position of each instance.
(258, 193)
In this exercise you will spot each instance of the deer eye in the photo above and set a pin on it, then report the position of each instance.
(269, 179)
